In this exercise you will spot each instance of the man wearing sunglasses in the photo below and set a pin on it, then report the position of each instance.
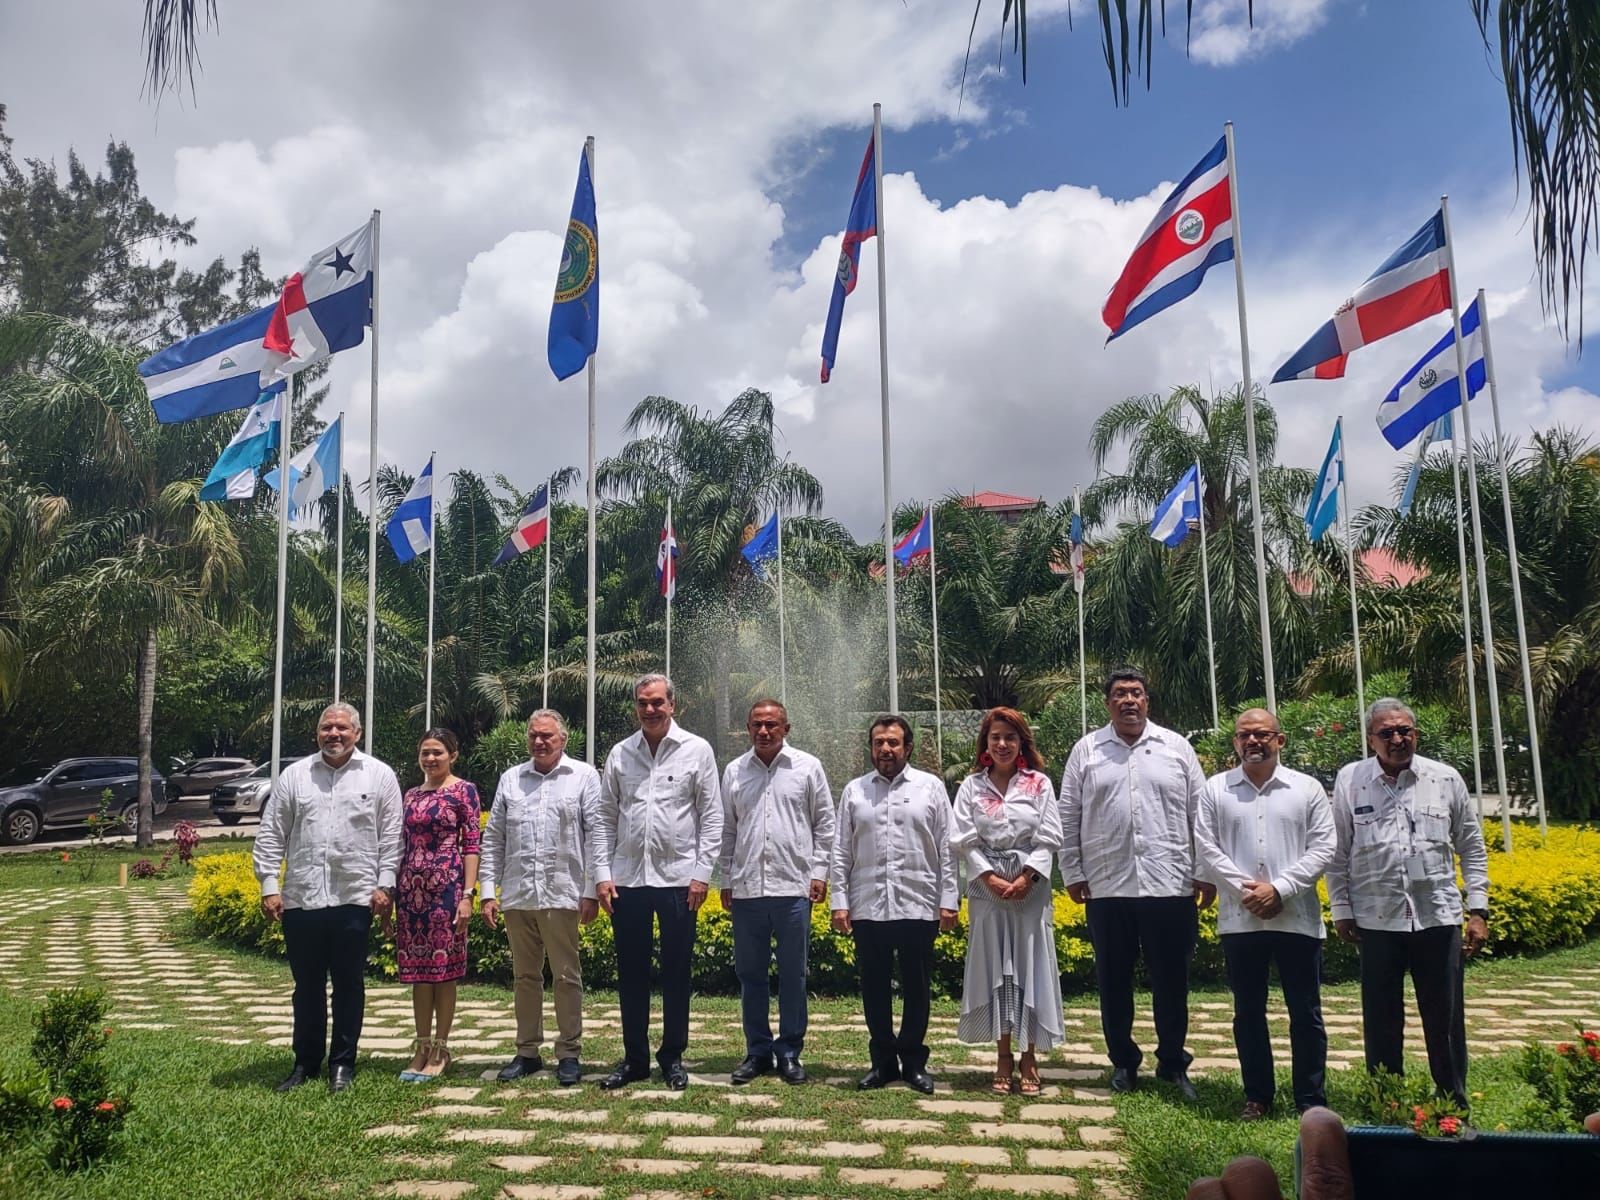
(1404, 822)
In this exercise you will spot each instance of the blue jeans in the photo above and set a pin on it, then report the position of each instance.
(758, 924)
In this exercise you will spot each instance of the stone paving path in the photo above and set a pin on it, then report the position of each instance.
(1065, 1142)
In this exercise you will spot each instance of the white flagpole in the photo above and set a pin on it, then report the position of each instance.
(1489, 673)
(666, 566)
(1466, 620)
(433, 562)
(1350, 561)
(285, 449)
(368, 715)
(1516, 571)
(588, 728)
(883, 388)
(933, 596)
(1250, 432)
(549, 545)
(783, 646)
(338, 569)
(1205, 574)
(1083, 678)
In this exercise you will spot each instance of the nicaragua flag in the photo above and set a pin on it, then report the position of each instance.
(1413, 283)
(234, 476)
(1191, 233)
(410, 529)
(1431, 389)
(575, 314)
(1442, 430)
(917, 542)
(667, 561)
(1075, 536)
(211, 372)
(761, 546)
(325, 307)
(530, 530)
(1324, 507)
(858, 227)
(315, 469)
(1169, 524)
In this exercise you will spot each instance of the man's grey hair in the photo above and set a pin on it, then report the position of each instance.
(1385, 706)
(552, 714)
(654, 677)
(345, 707)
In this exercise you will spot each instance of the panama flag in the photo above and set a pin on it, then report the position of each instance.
(215, 371)
(410, 529)
(234, 476)
(1179, 508)
(917, 542)
(530, 530)
(861, 225)
(1324, 507)
(1431, 390)
(1191, 233)
(1412, 284)
(1076, 557)
(325, 307)
(667, 561)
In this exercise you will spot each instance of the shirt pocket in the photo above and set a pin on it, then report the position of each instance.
(1433, 824)
(358, 826)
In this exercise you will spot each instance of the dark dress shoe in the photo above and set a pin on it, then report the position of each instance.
(875, 1079)
(295, 1079)
(1124, 1079)
(340, 1078)
(789, 1067)
(1254, 1110)
(675, 1076)
(920, 1081)
(622, 1075)
(752, 1066)
(522, 1064)
(568, 1072)
(1180, 1080)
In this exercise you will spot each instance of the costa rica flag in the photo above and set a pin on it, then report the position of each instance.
(667, 561)
(532, 527)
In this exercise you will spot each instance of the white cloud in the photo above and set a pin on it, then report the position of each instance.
(1223, 33)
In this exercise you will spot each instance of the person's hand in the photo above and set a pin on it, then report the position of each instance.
(999, 888)
(1347, 930)
(606, 893)
(1205, 894)
(588, 910)
(491, 912)
(1476, 937)
(725, 896)
(1020, 886)
(947, 919)
(382, 902)
(1078, 891)
(697, 894)
(819, 891)
(1324, 1167)
(1261, 899)
(463, 914)
(273, 906)
(841, 920)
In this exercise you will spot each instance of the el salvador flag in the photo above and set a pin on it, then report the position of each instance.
(1324, 507)
(1170, 522)
(1431, 389)
(234, 476)
(763, 545)
(410, 530)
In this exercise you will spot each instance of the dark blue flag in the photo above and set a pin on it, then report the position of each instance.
(763, 544)
(575, 315)
(863, 224)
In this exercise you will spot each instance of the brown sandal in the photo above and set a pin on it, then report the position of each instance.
(1030, 1084)
(1001, 1085)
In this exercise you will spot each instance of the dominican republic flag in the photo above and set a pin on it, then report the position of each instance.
(315, 469)
(1191, 233)
(325, 307)
(1431, 389)
(410, 530)
(1324, 507)
(1076, 555)
(861, 225)
(1413, 283)
(667, 561)
(1442, 430)
(1180, 507)
(530, 530)
(917, 542)
(215, 371)
(234, 476)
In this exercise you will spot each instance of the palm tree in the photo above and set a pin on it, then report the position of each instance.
(29, 524)
(139, 553)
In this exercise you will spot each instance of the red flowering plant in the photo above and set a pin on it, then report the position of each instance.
(1566, 1081)
(1388, 1099)
(188, 837)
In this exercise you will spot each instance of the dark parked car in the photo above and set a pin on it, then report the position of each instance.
(69, 793)
(244, 797)
(204, 776)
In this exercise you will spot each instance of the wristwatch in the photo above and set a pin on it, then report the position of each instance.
(1480, 912)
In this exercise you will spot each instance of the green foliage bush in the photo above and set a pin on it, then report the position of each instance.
(502, 748)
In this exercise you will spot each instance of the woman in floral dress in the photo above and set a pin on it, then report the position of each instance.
(433, 897)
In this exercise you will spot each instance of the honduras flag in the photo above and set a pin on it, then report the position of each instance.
(1431, 389)
(1442, 430)
(917, 542)
(861, 224)
(315, 469)
(1170, 522)
(211, 372)
(234, 476)
(410, 529)
(1324, 507)
(761, 546)
(575, 315)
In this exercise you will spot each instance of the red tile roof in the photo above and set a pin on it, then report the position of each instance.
(1000, 500)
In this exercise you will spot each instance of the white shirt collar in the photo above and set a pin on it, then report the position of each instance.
(563, 764)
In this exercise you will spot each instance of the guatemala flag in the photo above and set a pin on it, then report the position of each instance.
(1076, 556)
(1413, 283)
(917, 542)
(325, 307)
(858, 227)
(1430, 389)
(1181, 506)
(234, 476)
(575, 314)
(762, 545)
(667, 561)
(315, 469)
(1191, 233)
(1442, 430)
(410, 530)
(530, 530)
(1324, 507)
(211, 372)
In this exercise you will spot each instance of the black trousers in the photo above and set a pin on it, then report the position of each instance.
(1433, 957)
(323, 944)
(1164, 928)
(878, 944)
(634, 909)
(1249, 957)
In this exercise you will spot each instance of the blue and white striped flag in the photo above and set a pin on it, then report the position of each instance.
(411, 528)
(1181, 506)
(1442, 430)
(211, 372)
(1324, 507)
(1430, 389)
(234, 476)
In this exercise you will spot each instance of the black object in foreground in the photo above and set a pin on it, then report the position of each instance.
(1387, 1162)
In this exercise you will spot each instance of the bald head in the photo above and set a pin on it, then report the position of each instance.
(1256, 718)
(1257, 740)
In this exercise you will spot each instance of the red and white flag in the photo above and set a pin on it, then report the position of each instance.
(667, 561)
(325, 307)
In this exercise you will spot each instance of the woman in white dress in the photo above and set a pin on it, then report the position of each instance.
(1007, 827)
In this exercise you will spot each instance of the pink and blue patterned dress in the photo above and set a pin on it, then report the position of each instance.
(441, 829)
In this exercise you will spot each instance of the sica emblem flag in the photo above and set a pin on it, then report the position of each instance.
(575, 314)
(861, 225)
(215, 371)
(410, 529)
(1169, 524)
(761, 545)
(325, 307)
(530, 530)
(1412, 284)
(234, 476)
(917, 542)
(667, 561)
(1431, 389)
(1324, 507)
(1191, 233)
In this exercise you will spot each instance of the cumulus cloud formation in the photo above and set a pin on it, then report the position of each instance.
(1222, 32)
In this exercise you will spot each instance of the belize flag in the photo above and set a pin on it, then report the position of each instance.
(917, 542)
(410, 529)
(325, 307)
(234, 476)
(211, 372)
(530, 529)
(1180, 507)
(1324, 507)
(667, 561)
(1412, 284)
(761, 545)
(1432, 388)
(861, 225)
(1191, 233)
